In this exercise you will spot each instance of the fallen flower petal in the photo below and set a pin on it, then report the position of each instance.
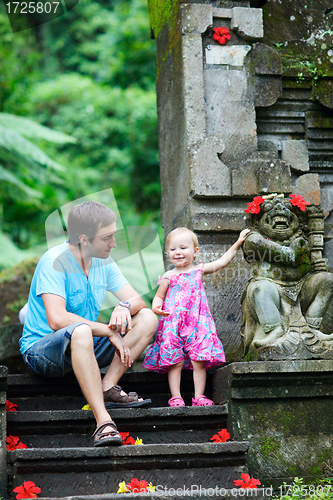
(10, 406)
(27, 490)
(137, 486)
(127, 439)
(150, 487)
(138, 441)
(122, 488)
(14, 443)
(86, 407)
(247, 482)
(221, 437)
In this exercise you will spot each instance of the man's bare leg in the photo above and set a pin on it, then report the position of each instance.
(144, 325)
(87, 372)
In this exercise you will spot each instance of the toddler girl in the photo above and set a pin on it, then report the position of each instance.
(186, 335)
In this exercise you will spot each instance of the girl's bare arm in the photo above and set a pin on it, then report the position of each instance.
(216, 265)
(159, 298)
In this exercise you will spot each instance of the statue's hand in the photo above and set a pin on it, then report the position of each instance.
(318, 266)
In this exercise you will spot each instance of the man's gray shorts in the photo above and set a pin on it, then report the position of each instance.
(48, 355)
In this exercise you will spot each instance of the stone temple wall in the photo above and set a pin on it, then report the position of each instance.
(250, 117)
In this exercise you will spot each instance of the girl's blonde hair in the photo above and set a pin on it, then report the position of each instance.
(181, 230)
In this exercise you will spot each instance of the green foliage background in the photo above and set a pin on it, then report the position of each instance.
(88, 74)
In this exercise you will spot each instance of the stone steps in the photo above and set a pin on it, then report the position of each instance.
(100, 470)
(60, 459)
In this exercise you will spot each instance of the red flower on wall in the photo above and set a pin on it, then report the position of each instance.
(247, 482)
(137, 486)
(127, 439)
(254, 206)
(298, 201)
(27, 490)
(14, 443)
(10, 406)
(221, 35)
(221, 437)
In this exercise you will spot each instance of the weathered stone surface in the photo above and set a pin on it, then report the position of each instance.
(267, 61)
(295, 154)
(3, 434)
(9, 341)
(268, 90)
(273, 177)
(233, 55)
(308, 185)
(210, 177)
(195, 18)
(247, 22)
(276, 405)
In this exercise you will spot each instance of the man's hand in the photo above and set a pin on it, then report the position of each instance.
(159, 311)
(119, 317)
(122, 349)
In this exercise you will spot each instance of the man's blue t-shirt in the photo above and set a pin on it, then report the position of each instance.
(59, 273)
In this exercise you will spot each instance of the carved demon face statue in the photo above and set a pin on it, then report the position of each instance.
(278, 221)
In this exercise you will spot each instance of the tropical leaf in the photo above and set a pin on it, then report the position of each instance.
(33, 130)
(15, 142)
(7, 176)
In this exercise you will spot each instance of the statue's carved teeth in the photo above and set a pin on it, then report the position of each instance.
(280, 223)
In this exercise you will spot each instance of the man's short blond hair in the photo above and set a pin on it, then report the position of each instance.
(179, 230)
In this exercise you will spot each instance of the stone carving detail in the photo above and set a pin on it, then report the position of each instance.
(290, 289)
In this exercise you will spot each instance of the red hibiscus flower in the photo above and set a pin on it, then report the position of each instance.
(247, 482)
(137, 486)
(127, 439)
(221, 437)
(27, 490)
(254, 206)
(298, 201)
(14, 443)
(221, 35)
(10, 406)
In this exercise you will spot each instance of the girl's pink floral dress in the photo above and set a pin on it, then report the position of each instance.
(189, 332)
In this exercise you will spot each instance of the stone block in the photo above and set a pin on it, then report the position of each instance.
(9, 341)
(295, 154)
(268, 90)
(233, 55)
(210, 177)
(273, 177)
(196, 18)
(284, 408)
(3, 433)
(229, 111)
(308, 185)
(267, 61)
(248, 23)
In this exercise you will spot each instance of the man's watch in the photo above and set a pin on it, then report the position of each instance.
(123, 303)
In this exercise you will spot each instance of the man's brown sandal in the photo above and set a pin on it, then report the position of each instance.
(107, 438)
(113, 399)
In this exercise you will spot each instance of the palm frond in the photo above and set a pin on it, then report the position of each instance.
(33, 130)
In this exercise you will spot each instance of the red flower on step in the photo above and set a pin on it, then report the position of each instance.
(221, 437)
(247, 482)
(254, 206)
(221, 35)
(127, 439)
(137, 486)
(14, 443)
(10, 406)
(298, 201)
(27, 490)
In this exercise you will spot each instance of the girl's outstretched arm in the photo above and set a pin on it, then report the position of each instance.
(159, 298)
(216, 265)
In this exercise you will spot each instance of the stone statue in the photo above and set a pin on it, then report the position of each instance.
(290, 289)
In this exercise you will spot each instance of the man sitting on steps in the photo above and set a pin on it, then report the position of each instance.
(61, 332)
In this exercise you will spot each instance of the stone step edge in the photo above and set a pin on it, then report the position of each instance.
(124, 413)
(175, 494)
(174, 449)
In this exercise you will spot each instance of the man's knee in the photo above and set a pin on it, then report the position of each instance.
(149, 320)
(82, 336)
